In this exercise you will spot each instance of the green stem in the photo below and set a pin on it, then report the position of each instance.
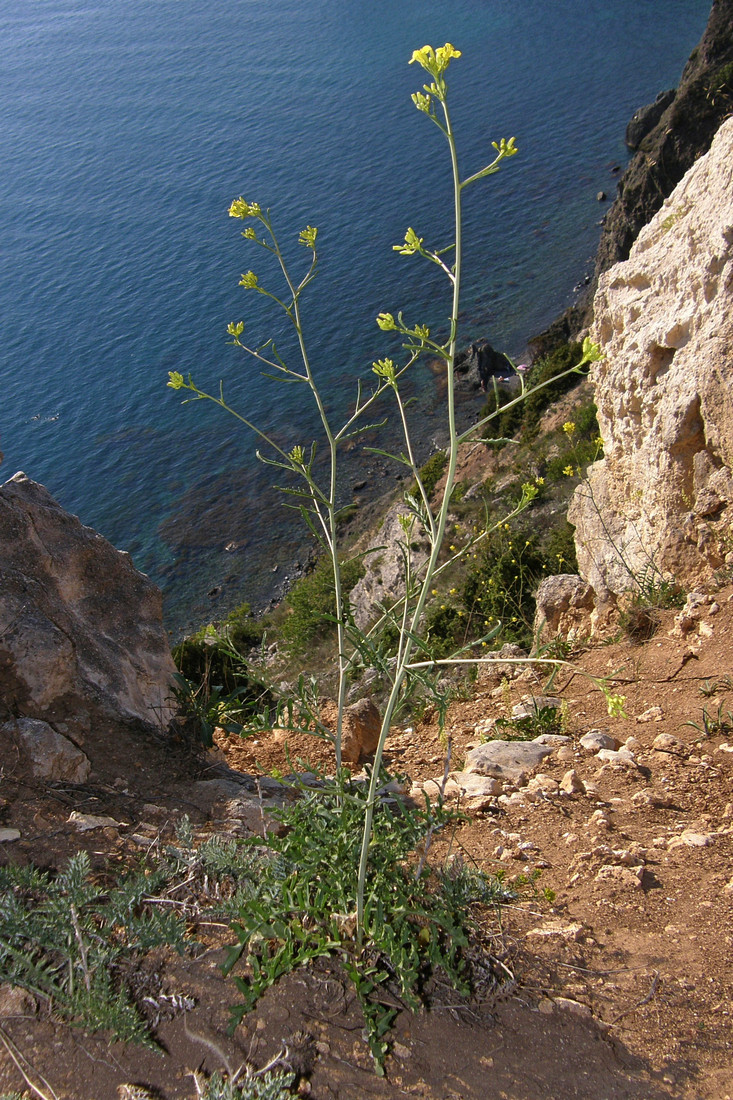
(403, 664)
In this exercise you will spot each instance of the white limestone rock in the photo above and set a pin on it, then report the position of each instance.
(507, 760)
(664, 319)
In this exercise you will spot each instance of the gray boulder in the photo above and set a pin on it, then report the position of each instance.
(508, 760)
(82, 642)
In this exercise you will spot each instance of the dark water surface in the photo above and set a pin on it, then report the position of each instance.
(125, 131)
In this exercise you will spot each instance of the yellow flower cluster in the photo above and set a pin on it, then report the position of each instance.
(433, 61)
(240, 208)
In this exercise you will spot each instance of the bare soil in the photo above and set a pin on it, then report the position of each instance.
(621, 954)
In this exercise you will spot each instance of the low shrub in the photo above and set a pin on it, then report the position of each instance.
(311, 603)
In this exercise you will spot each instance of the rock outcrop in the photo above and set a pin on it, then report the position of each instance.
(82, 646)
(660, 500)
(684, 132)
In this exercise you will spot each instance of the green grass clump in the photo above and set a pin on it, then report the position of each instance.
(524, 417)
(311, 603)
(65, 939)
(640, 617)
(217, 685)
(431, 472)
(417, 920)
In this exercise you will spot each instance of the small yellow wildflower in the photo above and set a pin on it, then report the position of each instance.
(568, 427)
(568, 471)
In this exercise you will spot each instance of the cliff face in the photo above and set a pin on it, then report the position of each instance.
(662, 498)
(689, 120)
(83, 653)
(682, 134)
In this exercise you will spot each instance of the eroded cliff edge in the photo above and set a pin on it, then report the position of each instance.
(660, 500)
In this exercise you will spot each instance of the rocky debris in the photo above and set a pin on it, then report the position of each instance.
(554, 927)
(667, 742)
(242, 803)
(619, 758)
(51, 756)
(664, 321)
(479, 364)
(507, 760)
(571, 783)
(85, 822)
(563, 606)
(620, 876)
(83, 640)
(696, 606)
(7, 836)
(648, 798)
(690, 838)
(651, 714)
(531, 705)
(646, 118)
(362, 724)
(15, 1001)
(595, 740)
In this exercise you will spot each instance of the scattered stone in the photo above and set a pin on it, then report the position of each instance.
(15, 1001)
(595, 740)
(85, 822)
(649, 798)
(7, 836)
(531, 705)
(52, 756)
(571, 783)
(546, 1006)
(565, 754)
(544, 783)
(473, 785)
(510, 760)
(651, 714)
(620, 876)
(691, 839)
(362, 725)
(576, 1007)
(555, 928)
(619, 759)
(667, 742)
(598, 820)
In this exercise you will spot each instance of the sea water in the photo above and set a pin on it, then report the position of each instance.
(127, 128)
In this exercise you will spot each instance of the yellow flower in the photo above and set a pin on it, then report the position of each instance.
(568, 471)
(249, 280)
(568, 427)
(433, 61)
(242, 209)
(308, 236)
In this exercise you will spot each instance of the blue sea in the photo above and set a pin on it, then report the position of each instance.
(126, 129)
